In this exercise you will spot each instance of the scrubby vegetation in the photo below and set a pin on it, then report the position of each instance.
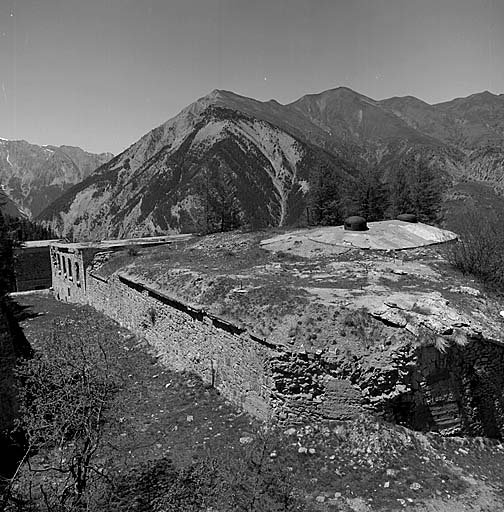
(480, 249)
(12, 346)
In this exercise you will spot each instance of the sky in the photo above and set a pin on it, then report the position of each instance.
(99, 74)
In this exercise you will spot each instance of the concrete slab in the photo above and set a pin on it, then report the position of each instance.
(383, 236)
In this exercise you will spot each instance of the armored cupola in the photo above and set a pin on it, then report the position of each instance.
(356, 223)
(407, 217)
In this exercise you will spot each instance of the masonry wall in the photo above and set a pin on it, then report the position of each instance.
(68, 276)
(32, 268)
(457, 391)
(238, 366)
(463, 387)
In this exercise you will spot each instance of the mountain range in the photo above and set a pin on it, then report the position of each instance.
(33, 176)
(258, 160)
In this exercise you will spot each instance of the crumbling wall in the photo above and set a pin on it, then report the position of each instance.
(190, 339)
(266, 380)
(454, 389)
(462, 386)
(68, 277)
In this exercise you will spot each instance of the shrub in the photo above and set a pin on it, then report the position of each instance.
(480, 249)
(157, 486)
(133, 251)
(64, 392)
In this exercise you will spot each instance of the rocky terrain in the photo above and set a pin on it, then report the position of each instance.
(228, 160)
(9, 207)
(33, 176)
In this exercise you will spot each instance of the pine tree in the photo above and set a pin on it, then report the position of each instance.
(414, 187)
(425, 193)
(370, 196)
(220, 207)
(329, 200)
(399, 192)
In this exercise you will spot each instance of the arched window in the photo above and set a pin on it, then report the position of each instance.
(77, 272)
(69, 269)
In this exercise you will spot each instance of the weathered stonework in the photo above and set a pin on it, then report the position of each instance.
(68, 273)
(32, 266)
(264, 379)
(191, 340)
(458, 391)
(413, 357)
(70, 262)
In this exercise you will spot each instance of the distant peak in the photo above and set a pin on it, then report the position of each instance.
(341, 93)
(484, 95)
(477, 96)
(405, 99)
(336, 90)
(220, 93)
(487, 93)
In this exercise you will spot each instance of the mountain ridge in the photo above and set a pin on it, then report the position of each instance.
(33, 176)
(258, 152)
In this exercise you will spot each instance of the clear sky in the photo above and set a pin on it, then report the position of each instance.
(101, 73)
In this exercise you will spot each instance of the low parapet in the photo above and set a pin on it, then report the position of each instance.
(36, 244)
(103, 245)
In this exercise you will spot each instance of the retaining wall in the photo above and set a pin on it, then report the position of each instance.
(32, 267)
(189, 339)
(457, 391)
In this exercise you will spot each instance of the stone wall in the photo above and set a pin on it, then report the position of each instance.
(69, 275)
(189, 339)
(456, 390)
(264, 379)
(32, 268)
(463, 388)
